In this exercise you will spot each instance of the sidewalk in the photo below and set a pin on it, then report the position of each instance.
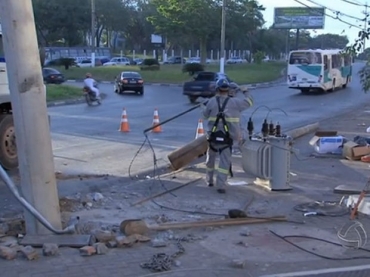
(211, 251)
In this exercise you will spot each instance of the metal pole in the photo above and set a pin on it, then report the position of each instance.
(223, 31)
(27, 93)
(93, 31)
(297, 40)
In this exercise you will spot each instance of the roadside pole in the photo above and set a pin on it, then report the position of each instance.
(35, 154)
(223, 31)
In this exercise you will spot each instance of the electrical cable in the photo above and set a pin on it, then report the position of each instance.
(276, 109)
(337, 13)
(336, 18)
(285, 238)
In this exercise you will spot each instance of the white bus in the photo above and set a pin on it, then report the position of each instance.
(324, 70)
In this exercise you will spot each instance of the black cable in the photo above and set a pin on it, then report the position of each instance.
(135, 156)
(336, 18)
(155, 166)
(259, 107)
(337, 13)
(284, 238)
(276, 109)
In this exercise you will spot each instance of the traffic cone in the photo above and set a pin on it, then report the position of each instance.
(200, 129)
(157, 129)
(124, 126)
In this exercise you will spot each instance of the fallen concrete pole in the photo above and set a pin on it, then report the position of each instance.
(304, 130)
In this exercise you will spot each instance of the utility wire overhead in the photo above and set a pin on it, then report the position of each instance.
(334, 17)
(356, 3)
(337, 12)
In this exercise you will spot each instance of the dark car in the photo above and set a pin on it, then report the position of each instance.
(52, 76)
(129, 81)
(204, 85)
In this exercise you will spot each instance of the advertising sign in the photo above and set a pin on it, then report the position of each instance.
(299, 18)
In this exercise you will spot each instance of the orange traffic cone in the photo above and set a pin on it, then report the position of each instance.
(200, 129)
(157, 129)
(124, 126)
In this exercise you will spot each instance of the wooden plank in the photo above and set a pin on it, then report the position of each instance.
(60, 240)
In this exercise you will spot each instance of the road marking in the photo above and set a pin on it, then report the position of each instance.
(320, 271)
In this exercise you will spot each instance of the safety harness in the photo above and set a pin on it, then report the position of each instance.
(221, 137)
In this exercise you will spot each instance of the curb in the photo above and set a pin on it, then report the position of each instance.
(304, 130)
(71, 101)
(250, 86)
(323, 272)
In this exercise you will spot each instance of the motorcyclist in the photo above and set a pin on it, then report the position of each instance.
(91, 84)
(223, 114)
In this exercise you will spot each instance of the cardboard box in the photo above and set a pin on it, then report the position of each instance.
(353, 151)
(325, 142)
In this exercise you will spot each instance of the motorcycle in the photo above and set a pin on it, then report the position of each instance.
(90, 96)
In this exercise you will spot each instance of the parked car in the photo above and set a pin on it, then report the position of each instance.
(87, 63)
(204, 85)
(234, 60)
(197, 60)
(52, 76)
(118, 61)
(129, 81)
(138, 61)
(174, 60)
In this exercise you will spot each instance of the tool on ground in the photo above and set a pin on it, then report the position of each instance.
(137, 226)
(124, 126)
(164, 192)
(156, 124)
(200, 130)
(360, 198)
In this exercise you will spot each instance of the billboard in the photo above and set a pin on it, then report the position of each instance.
(299, 18)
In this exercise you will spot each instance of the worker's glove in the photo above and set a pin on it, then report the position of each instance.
(249, 99)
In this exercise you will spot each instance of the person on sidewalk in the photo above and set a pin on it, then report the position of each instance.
(223, 115)
(91, 84)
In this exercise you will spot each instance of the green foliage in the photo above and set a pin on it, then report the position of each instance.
(192, 68)
(354, 49)
(149, 62)
(258, 57)
(153, 67)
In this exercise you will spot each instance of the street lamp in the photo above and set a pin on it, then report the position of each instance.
(92, 33)
(223, 30)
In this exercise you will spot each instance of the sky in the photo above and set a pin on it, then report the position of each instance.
(331, 25)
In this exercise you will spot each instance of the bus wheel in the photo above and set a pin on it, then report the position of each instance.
(333, 87)
(345, 85)
(305, 90)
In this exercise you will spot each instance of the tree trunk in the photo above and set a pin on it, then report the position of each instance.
(203, 50)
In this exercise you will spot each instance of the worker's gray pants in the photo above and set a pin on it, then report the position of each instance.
(223, 169)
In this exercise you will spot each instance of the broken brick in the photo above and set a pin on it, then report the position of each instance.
(87, 251)
(8, 253)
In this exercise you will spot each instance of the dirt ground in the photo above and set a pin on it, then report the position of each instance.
(103, 202)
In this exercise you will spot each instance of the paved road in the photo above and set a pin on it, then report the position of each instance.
(85, 139)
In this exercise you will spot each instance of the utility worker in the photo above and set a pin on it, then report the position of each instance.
(223, 114)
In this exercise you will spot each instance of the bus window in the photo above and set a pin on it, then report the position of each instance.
(305, 58)
(336, 61)
(326, 62)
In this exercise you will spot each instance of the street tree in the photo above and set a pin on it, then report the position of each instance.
(329, 41)
(198, 19)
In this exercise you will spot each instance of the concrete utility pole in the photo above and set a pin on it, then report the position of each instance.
(93, 32)
(27, 92)
(223, 31)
